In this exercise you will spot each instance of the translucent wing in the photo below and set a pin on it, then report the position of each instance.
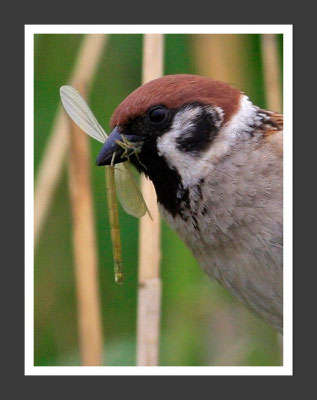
(128, 191)
(79, 111)
(127, 188)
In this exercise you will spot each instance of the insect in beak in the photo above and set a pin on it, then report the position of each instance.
(118, 147)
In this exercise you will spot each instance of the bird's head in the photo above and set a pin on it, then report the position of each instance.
(180, 125)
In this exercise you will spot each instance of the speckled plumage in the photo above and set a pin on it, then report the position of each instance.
(239, 237)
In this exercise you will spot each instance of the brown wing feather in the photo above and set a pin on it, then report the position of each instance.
(273, 124)
(273, 130)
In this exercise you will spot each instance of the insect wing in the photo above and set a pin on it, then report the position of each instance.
(128, 191)
(79, 111)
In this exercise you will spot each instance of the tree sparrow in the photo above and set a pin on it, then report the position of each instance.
(215, 160)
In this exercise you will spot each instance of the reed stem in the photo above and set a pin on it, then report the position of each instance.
(85, 253)
(52, 161)
(271, 69)
(149, 292)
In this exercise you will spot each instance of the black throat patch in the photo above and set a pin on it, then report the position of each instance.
(195, 136)
(167, 182)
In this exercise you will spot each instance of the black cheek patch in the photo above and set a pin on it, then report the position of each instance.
(198, 137)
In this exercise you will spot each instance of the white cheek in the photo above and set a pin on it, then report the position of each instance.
(187, 165)
(240, 123)
(192, 168)
(235, 129)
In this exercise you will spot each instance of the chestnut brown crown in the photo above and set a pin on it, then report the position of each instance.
(173, 91)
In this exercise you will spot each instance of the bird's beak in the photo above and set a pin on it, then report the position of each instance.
(114, 152)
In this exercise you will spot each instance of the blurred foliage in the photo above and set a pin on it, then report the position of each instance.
(201, 323)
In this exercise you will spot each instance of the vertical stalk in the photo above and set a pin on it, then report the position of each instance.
(222, 57)
(271, 71)
(149, 292)
(54, 154)
(85, 253)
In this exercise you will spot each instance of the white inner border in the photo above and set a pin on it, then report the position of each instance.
(30, 31)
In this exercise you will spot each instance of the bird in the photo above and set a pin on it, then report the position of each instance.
(216, 163)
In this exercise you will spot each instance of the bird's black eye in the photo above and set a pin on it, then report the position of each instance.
(158, 114)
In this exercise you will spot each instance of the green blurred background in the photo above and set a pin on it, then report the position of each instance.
(201, 323)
